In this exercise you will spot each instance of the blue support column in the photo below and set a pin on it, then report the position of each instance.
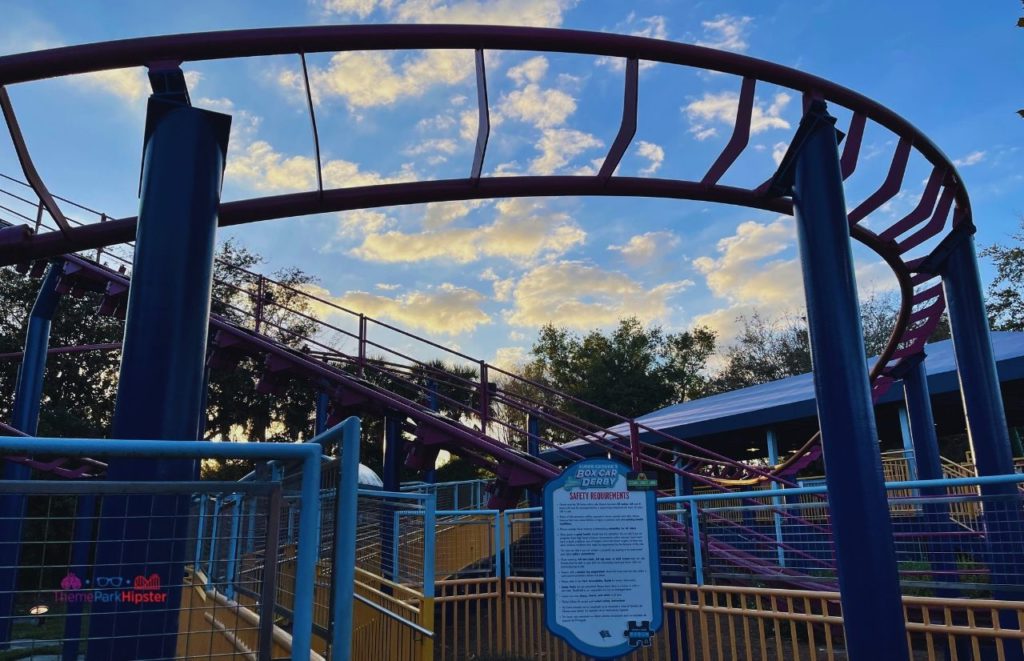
(986, 417)
(211, 559)
(160, 386)
(677, 629)
(773, 459)
(236, 522)
(533, 449)
(430, 475)
(81, 545)
(250, 528)
(322, 403)
(865, 553)
(928, 466)
(200, 529)
(921, 423)
(345, 542)
(27, 397)
(29, 391)
(392, 482)
(908, 444)
(976, 365)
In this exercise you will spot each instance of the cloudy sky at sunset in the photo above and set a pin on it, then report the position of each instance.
(484, 276)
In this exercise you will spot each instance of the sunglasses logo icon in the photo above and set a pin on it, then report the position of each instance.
(109, 581)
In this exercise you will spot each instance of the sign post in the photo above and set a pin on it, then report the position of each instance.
(602, 591)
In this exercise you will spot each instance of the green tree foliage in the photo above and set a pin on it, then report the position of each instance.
(768, 349)
(1006, 292)
(765, 350)
(631, 371)
(234, 409)
(79, 388)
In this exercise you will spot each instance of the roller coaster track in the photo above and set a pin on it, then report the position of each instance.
(406, 386)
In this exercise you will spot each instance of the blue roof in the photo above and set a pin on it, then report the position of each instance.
(792, 398)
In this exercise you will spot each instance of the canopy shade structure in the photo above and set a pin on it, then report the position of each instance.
(790, 401)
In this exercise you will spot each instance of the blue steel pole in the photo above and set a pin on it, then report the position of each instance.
(430, 475)
(986, 418)
(27, 397)
(677, 630)
(160, 386)
(392, 482)
(29, 391)
(200, 528)
(916, 395)
(322, 404)
(236, 520)
(533, 449)
(214, 532)
(976, 366)
(928, 466)
(250, 528)
(345, 542)
(868, 579)
(773, 459)
(81, 544)
(907, 437)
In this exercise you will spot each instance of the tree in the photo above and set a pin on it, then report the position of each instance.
(772, 349)
(1006, 292)
(78, 388)
(631, 371)
(765, 350)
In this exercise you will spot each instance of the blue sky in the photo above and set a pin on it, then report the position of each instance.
(484, 277)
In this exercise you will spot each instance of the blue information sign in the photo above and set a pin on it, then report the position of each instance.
(602, 585)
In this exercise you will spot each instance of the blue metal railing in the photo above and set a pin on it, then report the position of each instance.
(309, 520)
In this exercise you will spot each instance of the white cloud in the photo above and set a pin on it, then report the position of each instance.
(530, 103)
(523, 230)
(433, 145)
(446, 309)
(652, 27)
(510, 358)
(387, 286)
(584, 296)
(726, 32)
(779, 151)
(750, 273)
(503, 289)
(370, 79)
(533, 13)
(127, 84)
(544, 108)
(530, 71)
(722, 108)
(973, 158)
(360, 222)
(748, 251)
(559, 146)
(366, 79)
(360, 8)
(260, 167)
(442, 214)
(648, 247)
(653, 153)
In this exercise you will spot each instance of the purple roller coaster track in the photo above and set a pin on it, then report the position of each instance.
(400, 384)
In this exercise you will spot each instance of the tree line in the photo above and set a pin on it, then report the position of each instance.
(630, 370)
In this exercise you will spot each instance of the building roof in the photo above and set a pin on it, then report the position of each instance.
(792, 398)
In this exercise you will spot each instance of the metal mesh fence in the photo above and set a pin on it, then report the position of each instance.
(67, 594)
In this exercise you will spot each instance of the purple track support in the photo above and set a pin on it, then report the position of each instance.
(627, 128)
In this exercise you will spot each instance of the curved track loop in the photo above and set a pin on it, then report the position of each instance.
(920, 310)
(354, 379)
